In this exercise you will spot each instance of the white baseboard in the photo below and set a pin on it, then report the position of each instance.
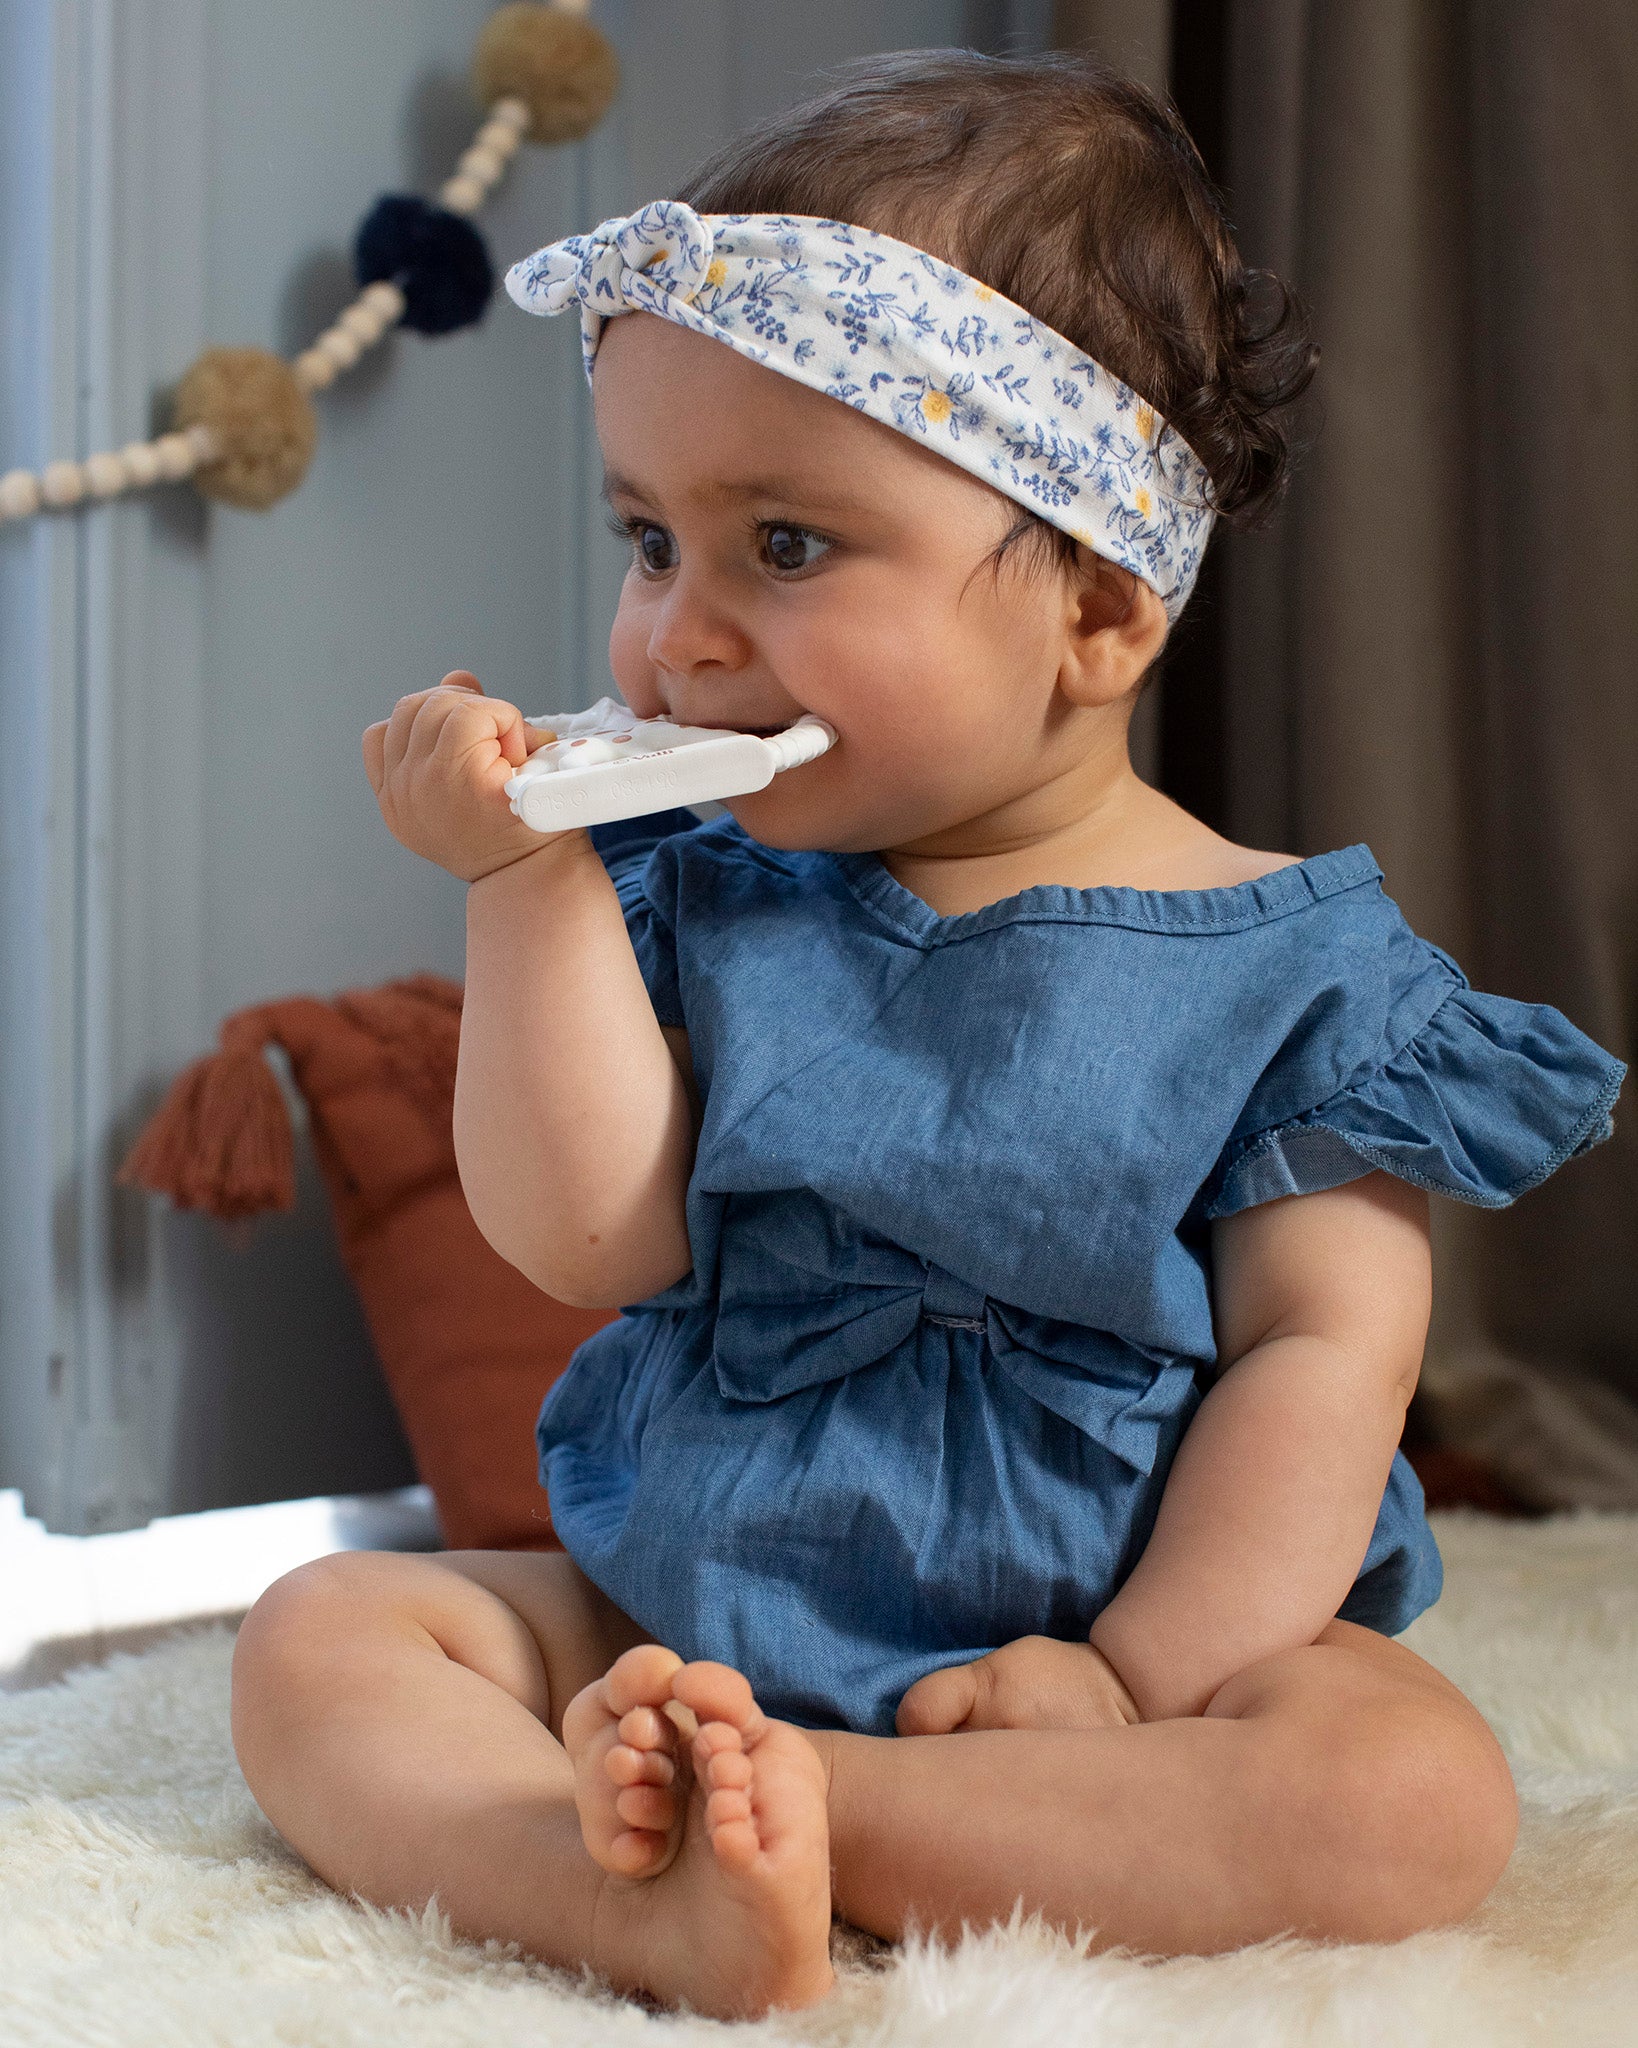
(67, 1600)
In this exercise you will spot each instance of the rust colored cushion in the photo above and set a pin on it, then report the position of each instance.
(468, 1346)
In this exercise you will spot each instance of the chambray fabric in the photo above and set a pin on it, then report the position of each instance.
(913, 342)
(950, 1309)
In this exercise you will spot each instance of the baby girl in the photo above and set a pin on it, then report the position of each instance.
(1016, 1192)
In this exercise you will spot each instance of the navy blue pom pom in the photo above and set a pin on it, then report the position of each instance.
(438, 260)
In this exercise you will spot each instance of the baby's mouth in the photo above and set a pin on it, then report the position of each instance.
(762, 732)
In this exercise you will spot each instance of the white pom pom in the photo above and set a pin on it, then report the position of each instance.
(141, 463)
(105, 475)
(62, 484)
(19, 494)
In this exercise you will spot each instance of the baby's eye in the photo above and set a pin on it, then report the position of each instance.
(656, 550)
(786, 546)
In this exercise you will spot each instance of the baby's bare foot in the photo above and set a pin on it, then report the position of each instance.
(625, 1751)
(722, 1839)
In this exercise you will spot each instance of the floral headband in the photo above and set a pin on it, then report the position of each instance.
(918, 345)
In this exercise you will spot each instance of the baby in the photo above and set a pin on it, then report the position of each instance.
(1017, 1193)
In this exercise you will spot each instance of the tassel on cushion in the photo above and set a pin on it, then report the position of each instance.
(221, 1140)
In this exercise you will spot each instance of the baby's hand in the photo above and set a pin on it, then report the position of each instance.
(438, 767)
(1036, 1682)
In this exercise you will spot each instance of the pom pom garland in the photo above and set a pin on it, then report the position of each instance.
(437, 260)
(242, 426)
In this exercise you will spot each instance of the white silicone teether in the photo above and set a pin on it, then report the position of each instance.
(607, 763)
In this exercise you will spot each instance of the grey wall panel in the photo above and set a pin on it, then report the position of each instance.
(209, 672)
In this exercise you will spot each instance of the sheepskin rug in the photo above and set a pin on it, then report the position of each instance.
(144, 1902)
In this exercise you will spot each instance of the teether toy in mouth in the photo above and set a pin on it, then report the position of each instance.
(607, 763)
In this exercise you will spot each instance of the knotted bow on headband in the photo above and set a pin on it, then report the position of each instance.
(914, 343)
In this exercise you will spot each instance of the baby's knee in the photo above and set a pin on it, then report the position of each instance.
(293, 1641)
(1418, 1817)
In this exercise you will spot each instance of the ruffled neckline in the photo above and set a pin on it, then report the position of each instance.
(1236, 906)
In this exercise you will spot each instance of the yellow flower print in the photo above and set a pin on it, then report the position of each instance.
(1145, 422)
(717, 271)
(984, 291)
(1144, 503)
(936, 407)
(649, 262)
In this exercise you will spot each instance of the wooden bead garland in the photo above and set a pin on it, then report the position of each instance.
(242, 426)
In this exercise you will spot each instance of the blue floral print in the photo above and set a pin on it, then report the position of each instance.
(849, 312)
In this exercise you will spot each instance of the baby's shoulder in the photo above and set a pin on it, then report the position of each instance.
(1171, 850)
(1219, 864)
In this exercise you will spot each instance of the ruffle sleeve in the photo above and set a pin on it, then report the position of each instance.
(625, 847)
(1482, 1101)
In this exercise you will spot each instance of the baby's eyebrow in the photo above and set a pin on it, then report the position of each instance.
(791, 490)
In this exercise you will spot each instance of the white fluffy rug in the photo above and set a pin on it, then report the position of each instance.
(144, 1903)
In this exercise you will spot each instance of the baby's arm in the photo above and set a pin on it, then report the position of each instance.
(1322, 1307)
(574, 1125)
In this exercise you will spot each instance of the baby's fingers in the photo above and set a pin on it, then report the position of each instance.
(479, 725)
(375, 754)
(939, 1703)
(515, 738)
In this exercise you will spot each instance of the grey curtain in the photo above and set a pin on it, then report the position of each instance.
(1433, 650)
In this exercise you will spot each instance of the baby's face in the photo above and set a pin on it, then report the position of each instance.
(791, 555)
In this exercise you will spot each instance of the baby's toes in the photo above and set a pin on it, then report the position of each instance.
(717, 1692)
(624, 1753)
(726, 1775)
(639, 1679)
(643, 1754)
(646, 1809)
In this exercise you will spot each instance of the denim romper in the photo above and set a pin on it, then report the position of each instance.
(950, 1307)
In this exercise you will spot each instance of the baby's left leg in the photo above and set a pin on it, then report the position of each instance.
(1345, 1791)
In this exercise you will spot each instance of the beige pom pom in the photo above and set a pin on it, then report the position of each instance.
(564, 70)
(260, 419)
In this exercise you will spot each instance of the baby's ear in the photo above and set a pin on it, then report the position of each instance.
(1115, 625)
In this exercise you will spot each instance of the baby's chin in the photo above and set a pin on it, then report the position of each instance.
(812, 821)
(776, 820)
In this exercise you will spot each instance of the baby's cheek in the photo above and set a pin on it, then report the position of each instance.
(629, 665)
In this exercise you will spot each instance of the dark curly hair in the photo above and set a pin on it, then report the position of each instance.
(1077, 194)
